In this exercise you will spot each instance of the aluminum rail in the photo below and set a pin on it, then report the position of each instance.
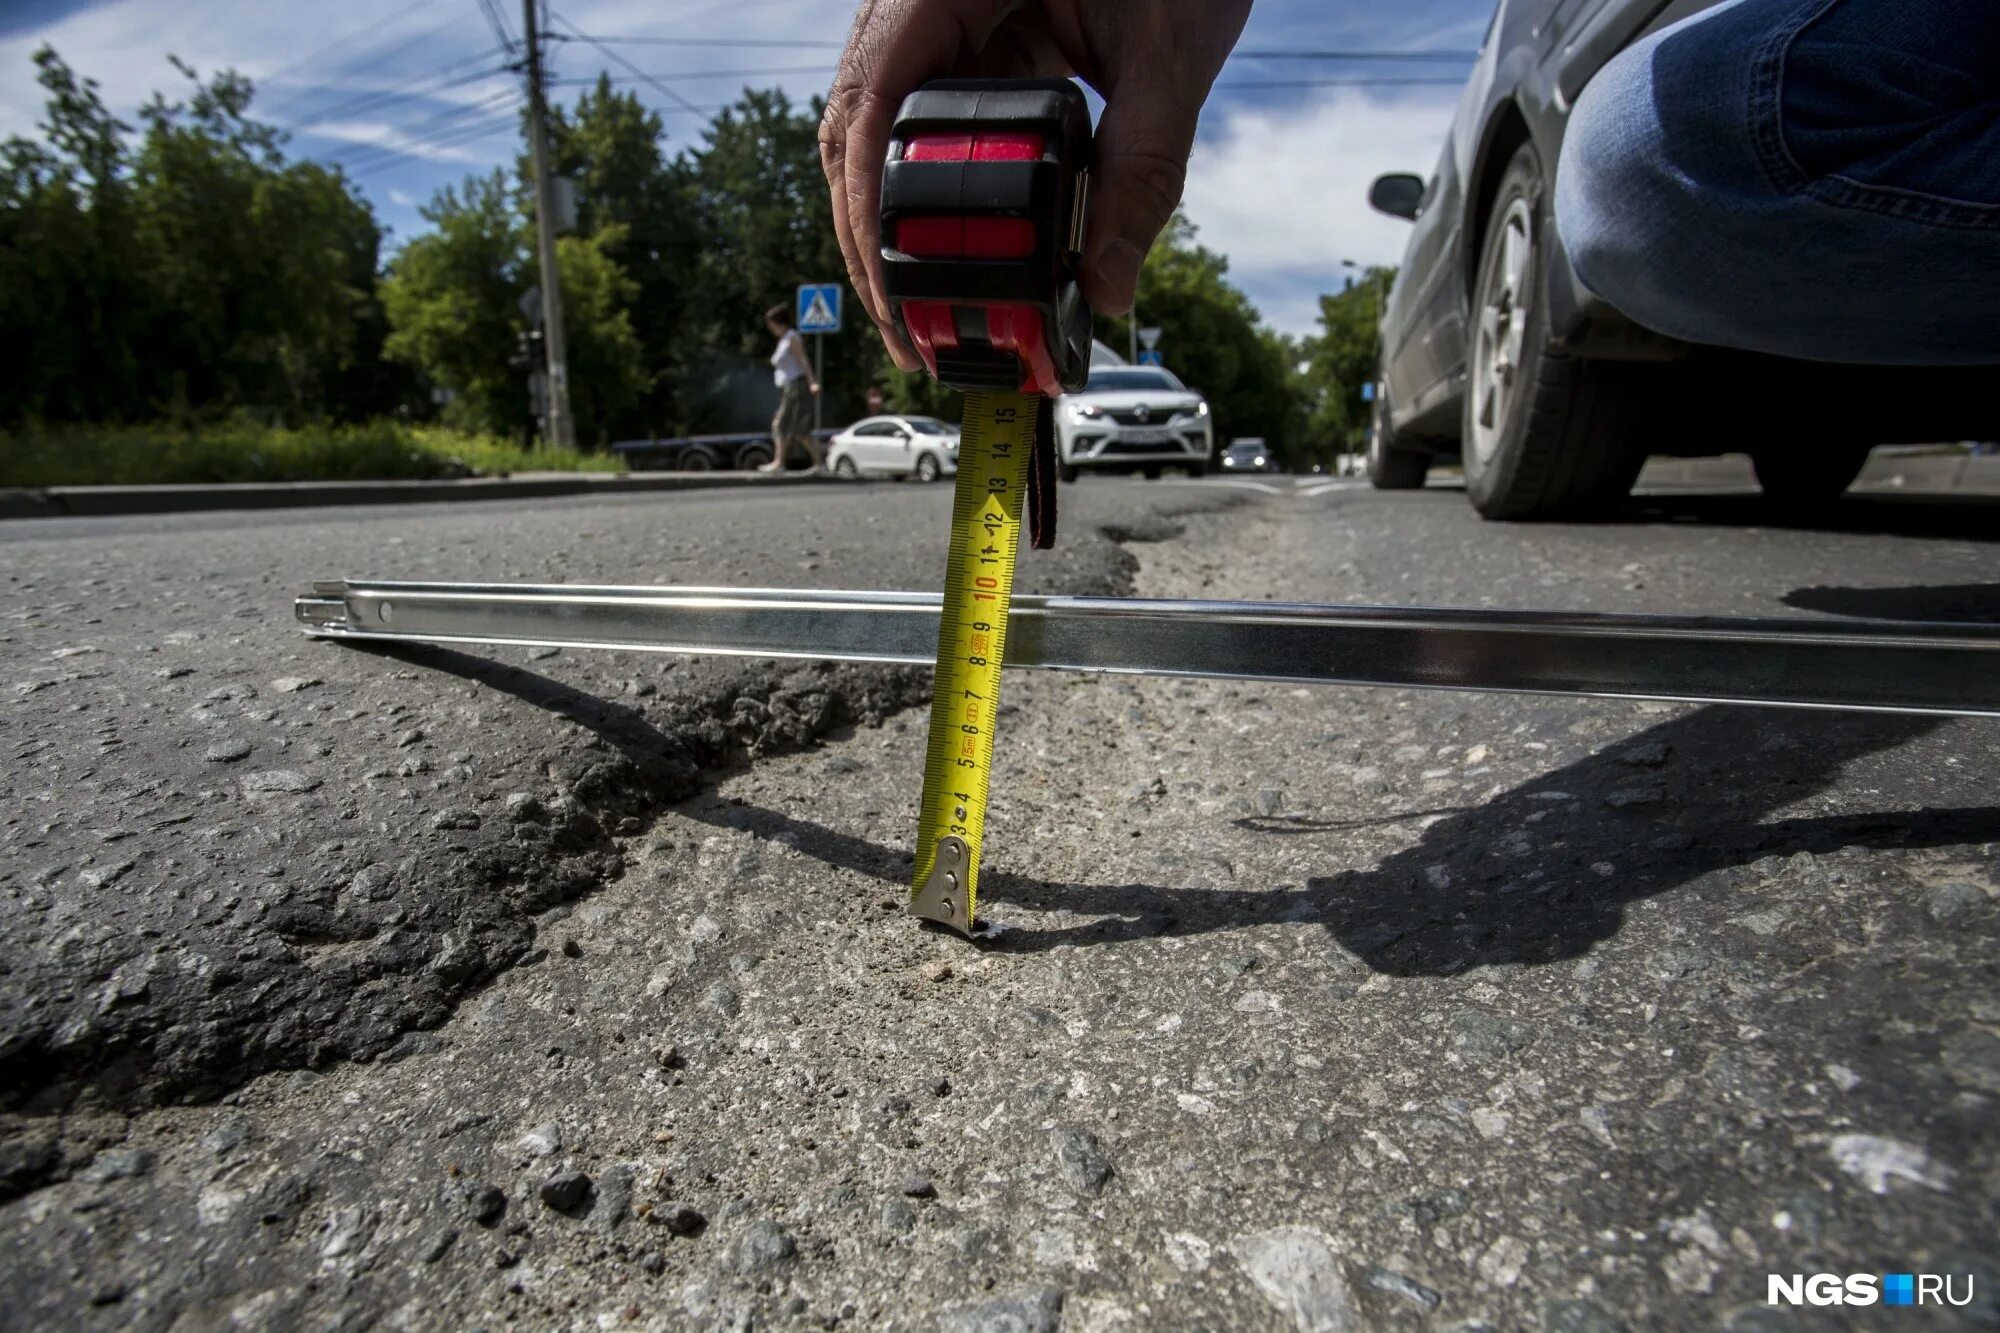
(1874, 666)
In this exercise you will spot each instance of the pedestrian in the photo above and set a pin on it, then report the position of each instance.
(1812, 178)
(793, 421)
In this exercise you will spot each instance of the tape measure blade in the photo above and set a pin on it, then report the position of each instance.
(988, 502)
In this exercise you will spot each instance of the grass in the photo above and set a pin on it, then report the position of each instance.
(141, 455)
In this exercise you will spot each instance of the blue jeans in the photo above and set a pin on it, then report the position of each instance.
(1811, 178)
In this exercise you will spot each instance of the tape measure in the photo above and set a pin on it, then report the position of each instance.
(983, 198)
(986, 517)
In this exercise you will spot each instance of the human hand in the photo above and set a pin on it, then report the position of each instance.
(1153, 61)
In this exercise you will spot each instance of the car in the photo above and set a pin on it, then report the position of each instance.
(895, 446)
(1248, 455)
(1492, 349)
(1132, 419)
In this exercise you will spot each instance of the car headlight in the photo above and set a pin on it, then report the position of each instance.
(1085, 411)
(1198, 412)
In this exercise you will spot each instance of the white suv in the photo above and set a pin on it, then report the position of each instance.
(1132, 419)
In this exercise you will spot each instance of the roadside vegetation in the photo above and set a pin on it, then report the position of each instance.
(194, 269)
(135, 456)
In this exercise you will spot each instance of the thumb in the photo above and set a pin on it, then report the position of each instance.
(1143, 141)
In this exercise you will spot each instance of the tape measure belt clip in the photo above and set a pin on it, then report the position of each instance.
(982, 207)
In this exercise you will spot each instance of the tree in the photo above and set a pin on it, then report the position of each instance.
(453, 303)
(761, 208)
(196, 274)
(1341, 359)
(1211, 338)
(607, 363)
(638, 202)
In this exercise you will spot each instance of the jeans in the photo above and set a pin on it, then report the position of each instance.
(1811, 178)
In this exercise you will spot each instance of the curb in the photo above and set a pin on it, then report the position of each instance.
(104, 501)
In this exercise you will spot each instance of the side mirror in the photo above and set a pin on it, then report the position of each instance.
(1398, 194)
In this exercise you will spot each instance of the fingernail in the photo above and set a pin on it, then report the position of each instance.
(1116, 268)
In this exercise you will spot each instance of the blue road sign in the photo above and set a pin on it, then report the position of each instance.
(819, 307)
(1150, 356)
(1368, 392)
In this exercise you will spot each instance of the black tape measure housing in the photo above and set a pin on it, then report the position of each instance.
(983, 198)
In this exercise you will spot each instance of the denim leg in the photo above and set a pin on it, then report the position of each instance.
(1812, 178)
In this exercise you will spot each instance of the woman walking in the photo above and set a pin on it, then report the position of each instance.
(796, 389)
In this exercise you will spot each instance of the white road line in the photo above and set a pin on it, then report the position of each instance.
(1235, 482)
(1323, 487)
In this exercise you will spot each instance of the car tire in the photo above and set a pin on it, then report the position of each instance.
(1546, 435)
(698, 460)
(1067, 472)
(752, 456)
(1391, 467)
(845, 468)
(927, 468)
(1802, 479)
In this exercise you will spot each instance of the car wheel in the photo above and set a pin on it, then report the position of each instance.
(752, 456)
(1546, 434)
(698, 460)
(1390, 466)
(1802, 478)
(927, 468)
(845, 468)
(1066, 472)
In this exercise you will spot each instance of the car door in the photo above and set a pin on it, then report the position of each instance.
(872, 441)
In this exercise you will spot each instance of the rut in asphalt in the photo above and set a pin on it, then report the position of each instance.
(359, 942)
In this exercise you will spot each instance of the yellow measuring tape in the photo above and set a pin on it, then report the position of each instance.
(995, 443)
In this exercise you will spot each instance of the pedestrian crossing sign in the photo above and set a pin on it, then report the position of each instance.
(819, 307)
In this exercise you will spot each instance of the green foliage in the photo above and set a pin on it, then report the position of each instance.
(760, 206)
(1212, 340)
(452, 299)
(191, 272)
(608, 377)
(1342, 358)
(244, 451)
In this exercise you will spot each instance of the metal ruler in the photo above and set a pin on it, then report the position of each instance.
(1854, 665)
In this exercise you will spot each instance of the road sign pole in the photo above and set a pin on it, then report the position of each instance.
(819, 378)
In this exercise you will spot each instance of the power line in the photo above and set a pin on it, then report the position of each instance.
(705, 74)
(472, 133)
(498, 24)
(416, 137)
(374, 56)
(425, 85)
(770, 43)
(669, 93)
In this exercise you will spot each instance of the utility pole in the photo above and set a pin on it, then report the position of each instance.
(561, 430)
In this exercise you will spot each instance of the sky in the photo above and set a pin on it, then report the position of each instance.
(411, 95)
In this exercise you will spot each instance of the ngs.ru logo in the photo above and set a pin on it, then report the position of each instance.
(1867, 1289)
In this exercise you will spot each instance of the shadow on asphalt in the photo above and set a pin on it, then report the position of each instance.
(1978, 603)
(1471, 892)
(1944, 517)
(1539, 874)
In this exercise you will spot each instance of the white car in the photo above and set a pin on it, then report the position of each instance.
(1133, 419)
(920, 447)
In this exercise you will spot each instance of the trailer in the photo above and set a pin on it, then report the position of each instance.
(702, 453)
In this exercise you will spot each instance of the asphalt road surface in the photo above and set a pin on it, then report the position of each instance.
(453, 989)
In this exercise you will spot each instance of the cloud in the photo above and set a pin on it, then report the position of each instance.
(379, 134)
(1284, 192)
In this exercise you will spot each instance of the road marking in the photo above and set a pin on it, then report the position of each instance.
(1236, 482)
(1323, 487)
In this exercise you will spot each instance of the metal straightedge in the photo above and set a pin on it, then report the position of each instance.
(1801, 663)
